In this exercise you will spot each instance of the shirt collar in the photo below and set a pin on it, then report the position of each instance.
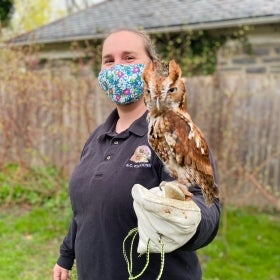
(139, 127)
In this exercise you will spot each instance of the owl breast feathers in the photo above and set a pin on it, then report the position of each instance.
(174, 137)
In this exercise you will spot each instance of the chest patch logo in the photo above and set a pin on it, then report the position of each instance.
(141, 157)
(141, 154)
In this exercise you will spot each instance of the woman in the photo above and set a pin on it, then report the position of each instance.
(115, 157)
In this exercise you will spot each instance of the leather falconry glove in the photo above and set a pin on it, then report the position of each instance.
(164, 215)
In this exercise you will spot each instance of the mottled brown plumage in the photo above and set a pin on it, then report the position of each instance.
(172, 134)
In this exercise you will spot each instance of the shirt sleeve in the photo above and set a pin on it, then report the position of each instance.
(210, 216)
(209, 224)
(67, 248)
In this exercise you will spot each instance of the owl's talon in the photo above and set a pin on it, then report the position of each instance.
(183, 188)
(188, 198)
(172, 190)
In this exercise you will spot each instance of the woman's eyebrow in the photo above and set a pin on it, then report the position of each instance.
(128, 52)
(124, 53)
(107, 56)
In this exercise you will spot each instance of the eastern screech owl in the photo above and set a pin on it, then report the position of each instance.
(174, 137)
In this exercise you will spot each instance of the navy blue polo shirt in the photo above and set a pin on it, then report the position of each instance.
(100, 193)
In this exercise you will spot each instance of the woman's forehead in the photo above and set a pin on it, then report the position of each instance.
(124, 41)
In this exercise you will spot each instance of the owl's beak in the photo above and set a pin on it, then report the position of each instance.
(157, 103)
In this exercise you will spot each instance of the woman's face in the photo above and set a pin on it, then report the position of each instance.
(123, 47)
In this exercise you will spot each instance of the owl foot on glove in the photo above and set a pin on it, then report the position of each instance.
(175, 190)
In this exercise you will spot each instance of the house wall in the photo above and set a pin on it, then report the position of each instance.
(261, 56)
(60, 51)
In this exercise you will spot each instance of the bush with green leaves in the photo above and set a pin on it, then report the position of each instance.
(32, 186)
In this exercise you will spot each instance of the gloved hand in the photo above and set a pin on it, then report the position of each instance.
(164, 213)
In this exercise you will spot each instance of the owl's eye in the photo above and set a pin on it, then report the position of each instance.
(172, 90)
(148, 91)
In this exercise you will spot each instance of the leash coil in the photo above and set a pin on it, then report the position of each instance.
(129, 261)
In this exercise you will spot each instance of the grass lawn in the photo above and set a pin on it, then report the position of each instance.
(30, 242)
(247, 247)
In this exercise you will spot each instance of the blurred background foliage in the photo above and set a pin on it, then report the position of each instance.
(5, 11)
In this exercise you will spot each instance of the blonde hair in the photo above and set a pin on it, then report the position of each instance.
(148, 44)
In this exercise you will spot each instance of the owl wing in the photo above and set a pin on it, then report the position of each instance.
(186, 142)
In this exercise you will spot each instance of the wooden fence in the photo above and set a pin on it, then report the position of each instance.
(46, 116)
(240, 115)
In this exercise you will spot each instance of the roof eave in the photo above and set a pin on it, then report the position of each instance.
(175, 28)
(218, 24)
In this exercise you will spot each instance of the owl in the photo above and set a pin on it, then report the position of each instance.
(172, 134)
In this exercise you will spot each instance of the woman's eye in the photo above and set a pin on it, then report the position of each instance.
(129, 58)
(108, 62)
(172, 90)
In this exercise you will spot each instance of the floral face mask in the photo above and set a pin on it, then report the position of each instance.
(122, 83)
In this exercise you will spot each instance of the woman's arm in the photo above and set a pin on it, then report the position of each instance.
(67, 248)
(209, 224)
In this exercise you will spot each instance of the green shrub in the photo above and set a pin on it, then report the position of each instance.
(32, 186)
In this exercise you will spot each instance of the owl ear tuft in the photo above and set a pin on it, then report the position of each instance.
(148, 71)
(175, 71)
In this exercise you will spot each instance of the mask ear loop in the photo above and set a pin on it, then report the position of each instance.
(132, 233)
